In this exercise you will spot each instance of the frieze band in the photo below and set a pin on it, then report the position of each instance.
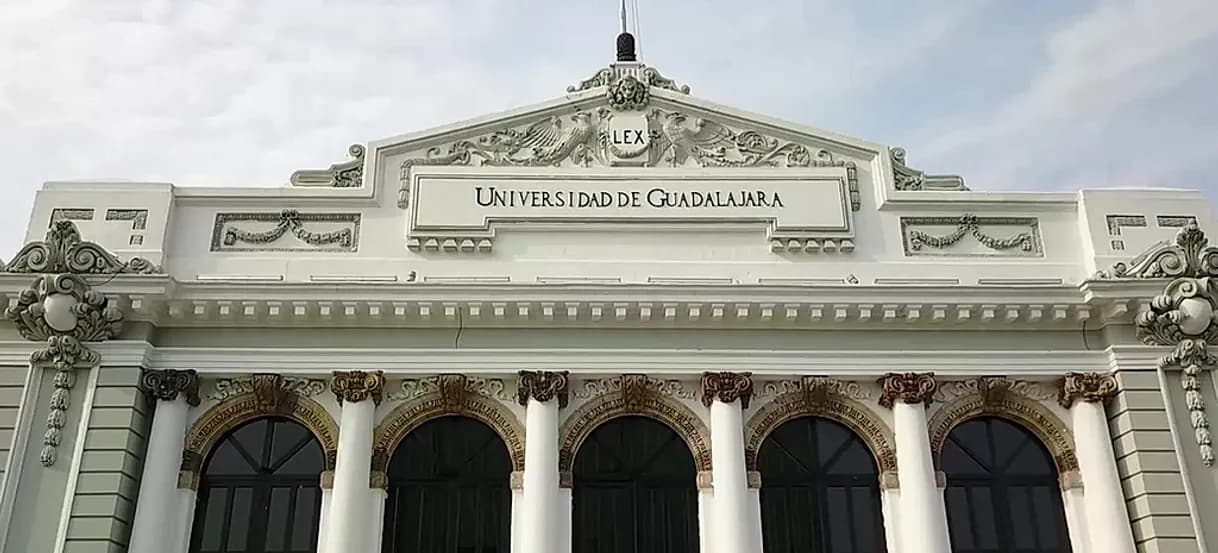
(168, 384)
(908, 388)
(356, 386)
(543, 386)
(727, 387)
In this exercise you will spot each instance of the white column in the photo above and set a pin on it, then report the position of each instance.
(517, 510)
(377, 522)
(754, 479)
(566, 504)
(1074, 505)
(1107, 519)
(347, 527)
(158, 505)
(327, 486)
(542, 394)
(727, 394)
(923, 518)
(187, 500)
(890, 507)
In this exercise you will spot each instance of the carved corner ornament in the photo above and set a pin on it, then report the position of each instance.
(909, 388)
(1086, 387)
(63, 251)
(168, 384)
(64, 312)
(356, 386)
(543, 386)
(727, 387)
(907, 178)
(1184, 316)
(347, 174)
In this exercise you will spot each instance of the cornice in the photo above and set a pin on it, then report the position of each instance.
(161, 300)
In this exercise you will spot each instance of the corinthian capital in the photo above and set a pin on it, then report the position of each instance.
(542, 386)
(1088, 387)
(356, 386)
(910, 388)
(166, 384)
(727, 387)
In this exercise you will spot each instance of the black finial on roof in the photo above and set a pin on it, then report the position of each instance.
(625, 47)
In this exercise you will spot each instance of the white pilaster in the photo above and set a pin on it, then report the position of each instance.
(564, 517)
(350, 500)
(542, 394)
(377, 522)
(323, 518)
(1107, 519)
(890, 507)
(1075, 506)
(706, 501)
(517, 511)
(158, 505)
(755, 509)
(923, 517)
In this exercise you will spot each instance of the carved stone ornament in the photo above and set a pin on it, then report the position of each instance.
(452, 390)
(634, 391)
(1184, 316)
(909, 388)
(167, 384)
(304, 387)
(815, 389)
(907, 178)
(584, 140)
(967, 225)
(356, 386)
(348, 174)
(647, 76)
(727, 387)
(63, 251)
(62, 311)
(271, 394)
(412, 388)
(1088, 387)
(669, 388)
(992, 388)
(542, 386)
(288, 220)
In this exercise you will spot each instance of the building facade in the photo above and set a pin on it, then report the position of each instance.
(623, 320)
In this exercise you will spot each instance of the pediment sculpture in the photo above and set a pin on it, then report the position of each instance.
(1185, 316)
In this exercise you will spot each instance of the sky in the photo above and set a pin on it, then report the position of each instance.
(1012, 95)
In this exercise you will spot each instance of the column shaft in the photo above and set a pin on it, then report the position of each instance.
(1107, 519)
(730, 480)
(159, 503)
(540, 498)
(922, 515)
(347, 527)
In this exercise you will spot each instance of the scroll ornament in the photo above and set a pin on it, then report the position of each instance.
(168, 384)
(908, 388)
(356, 386)
(543, 386)
(727, 387)
(63, 251)
(64, 312)
(1184, 316)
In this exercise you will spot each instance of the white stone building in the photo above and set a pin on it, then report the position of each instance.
(622, 320)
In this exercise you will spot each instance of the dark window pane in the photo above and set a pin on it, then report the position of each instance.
(634, 490)
(819, 490)
(254, 511)
(1003, 495)
(449, 490)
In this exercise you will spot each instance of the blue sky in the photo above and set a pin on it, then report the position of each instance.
(1013, 95)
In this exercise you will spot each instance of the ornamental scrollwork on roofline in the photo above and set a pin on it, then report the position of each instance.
(226, 388)
(493, 388)
(674, 140)
(604, 386)
(1184, 316)
(63, 251)
(908, 178)
(226, 237)
(348, 174)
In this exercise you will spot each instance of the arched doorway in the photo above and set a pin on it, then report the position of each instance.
(635, 490)
(819, 490)
(259, 491)
(449, 490)
(1003, 494)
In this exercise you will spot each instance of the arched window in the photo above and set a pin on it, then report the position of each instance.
(449, 490)
(820, 490)
(635, 490)
(1003, 494)
(260, 491)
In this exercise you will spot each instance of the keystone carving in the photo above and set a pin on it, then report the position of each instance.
(167, 384)
(1088, 387)
(452, 390)
(543, 386)
(63, 251)
(65, 313)
(272, 393)
(909, 388)
(356, 386)
(634, 391)
(727, 387)
(1184, 316)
